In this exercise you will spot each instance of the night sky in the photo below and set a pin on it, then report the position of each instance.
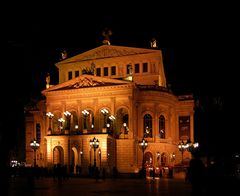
(200, 45)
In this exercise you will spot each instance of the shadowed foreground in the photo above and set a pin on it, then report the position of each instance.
(89, 186)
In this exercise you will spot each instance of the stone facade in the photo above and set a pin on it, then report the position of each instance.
(119, 96)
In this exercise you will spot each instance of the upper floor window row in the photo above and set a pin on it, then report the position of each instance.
(112, 70)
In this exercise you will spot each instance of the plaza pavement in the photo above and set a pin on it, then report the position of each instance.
(22, 186)
(93, 187)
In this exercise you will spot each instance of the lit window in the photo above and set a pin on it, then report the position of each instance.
(147, 125)
(162, 127)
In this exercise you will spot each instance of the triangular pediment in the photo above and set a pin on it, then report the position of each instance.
(107, 51)
(86, 81)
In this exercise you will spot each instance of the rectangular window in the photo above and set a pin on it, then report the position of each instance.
(113, 70)
(129, 69)
(38, 132)
(69, 75)
(76, 74)
(184, 127)
(98, 71)
(136, 68)
(105, 71)
(145, 67)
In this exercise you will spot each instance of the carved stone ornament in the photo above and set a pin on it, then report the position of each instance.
(86, 82)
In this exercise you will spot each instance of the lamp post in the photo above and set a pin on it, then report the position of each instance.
(188, 145)
(95, 144)
(182, 147)
(143, 145)
(34, 145)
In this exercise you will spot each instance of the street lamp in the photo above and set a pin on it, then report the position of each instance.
(188, 145)
(34, 145)
(95, 144)
(143, 145)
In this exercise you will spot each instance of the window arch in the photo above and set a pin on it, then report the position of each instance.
(147, 125)
(162, 131)
(163, 159)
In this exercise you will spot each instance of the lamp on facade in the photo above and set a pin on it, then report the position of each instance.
(125, 129)
(111, 118)
(85, 114)
(95, 144)
(34, 145)
(104, 112)
(61, 120)
(143, 145)
(50, 116)
(81, 156)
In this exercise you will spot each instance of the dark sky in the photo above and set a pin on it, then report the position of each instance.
(199, 41)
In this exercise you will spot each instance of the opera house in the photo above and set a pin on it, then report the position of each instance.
(112, 108)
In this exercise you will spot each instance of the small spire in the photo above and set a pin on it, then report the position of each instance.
(106, 34)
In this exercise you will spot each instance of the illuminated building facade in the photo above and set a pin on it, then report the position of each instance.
(118, 96)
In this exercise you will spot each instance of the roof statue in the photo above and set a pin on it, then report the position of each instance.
(153, 43)
(63, 55)
(48, 80)
(106, 34)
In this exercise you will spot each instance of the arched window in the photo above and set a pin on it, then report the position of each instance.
(147, 125)
(163, 159)
(162, 134)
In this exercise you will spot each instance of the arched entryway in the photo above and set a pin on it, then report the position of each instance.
(74, 160)
(148, 160)
(58, 155)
